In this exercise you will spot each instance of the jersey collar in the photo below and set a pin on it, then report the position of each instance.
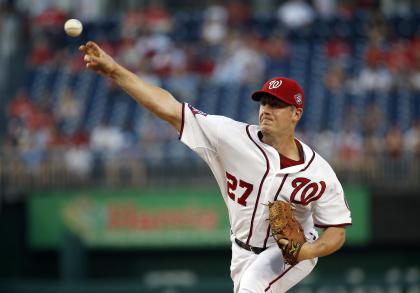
(308, 155)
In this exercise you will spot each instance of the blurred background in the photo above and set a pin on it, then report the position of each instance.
(96, 195)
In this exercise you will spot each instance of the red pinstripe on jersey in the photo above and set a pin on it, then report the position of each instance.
(260, 187)
(275, 198)
(310, 161)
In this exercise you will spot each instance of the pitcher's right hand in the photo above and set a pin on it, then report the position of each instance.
(97, 59)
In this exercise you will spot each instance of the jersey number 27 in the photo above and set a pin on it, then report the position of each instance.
(232, 185)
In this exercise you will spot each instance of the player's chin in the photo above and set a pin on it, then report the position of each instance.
(265, 128)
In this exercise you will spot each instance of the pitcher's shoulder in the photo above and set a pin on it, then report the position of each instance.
(318, 164)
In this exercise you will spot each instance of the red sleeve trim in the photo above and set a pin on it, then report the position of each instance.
(333, 225)
(182, 122)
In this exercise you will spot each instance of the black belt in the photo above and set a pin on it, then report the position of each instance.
(256, 250)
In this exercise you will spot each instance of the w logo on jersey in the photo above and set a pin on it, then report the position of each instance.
(274, 84)
(311, 190)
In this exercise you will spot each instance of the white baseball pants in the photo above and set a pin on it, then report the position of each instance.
(265, 272)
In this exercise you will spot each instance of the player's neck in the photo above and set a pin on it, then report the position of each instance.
(284, 145)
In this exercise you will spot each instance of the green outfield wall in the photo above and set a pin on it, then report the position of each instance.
(152, 218)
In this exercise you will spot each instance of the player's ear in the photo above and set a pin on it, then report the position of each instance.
(297, 114)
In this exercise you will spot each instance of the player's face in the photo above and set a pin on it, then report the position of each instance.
(276, 117)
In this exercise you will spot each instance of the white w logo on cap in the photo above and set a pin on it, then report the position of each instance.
(275, 84)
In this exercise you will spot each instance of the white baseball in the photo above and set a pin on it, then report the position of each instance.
(73, 27)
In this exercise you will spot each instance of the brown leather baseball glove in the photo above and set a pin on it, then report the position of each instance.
(285, 226)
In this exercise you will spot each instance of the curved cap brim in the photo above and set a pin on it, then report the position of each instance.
(256, 96)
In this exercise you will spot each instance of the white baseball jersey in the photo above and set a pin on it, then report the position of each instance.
(249, 177)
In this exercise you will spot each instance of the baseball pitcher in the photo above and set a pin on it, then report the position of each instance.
(277, 189)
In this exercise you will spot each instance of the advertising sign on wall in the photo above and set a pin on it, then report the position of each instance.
(158, 218)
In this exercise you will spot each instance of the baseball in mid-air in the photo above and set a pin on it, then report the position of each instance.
(73, 27)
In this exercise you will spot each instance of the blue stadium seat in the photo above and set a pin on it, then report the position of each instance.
(95, 104)
(359, 24)
(228, 100)
(42, 76)
(265, 24)
(416, 105)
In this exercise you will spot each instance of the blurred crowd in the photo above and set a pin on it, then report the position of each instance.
(223, 43)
